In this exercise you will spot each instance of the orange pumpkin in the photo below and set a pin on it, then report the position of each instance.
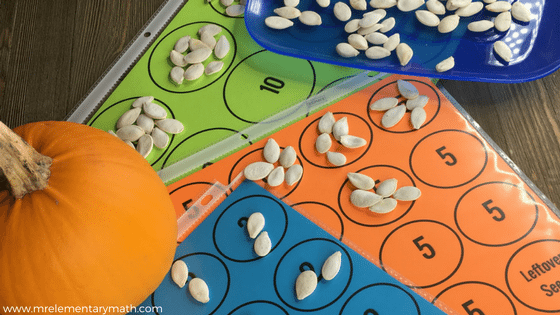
(90, 225)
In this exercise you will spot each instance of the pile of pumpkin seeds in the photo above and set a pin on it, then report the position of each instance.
(255, 225)
(328, 126)
(307, 281)
(197, 287)
(394, 112)
(146, 125)
(189, 54)
(233, 9)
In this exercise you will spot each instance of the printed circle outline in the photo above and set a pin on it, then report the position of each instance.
(211, 3)
(330, 208)
(476, 282)
(258, 301)
(380, 284)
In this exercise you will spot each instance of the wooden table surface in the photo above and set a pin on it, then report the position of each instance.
(53, 52)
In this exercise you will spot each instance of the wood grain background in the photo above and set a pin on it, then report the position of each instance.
(52, 53)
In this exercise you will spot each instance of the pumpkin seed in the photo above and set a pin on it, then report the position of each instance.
(145, 145)
(407, 193)
(435, 7)
(257, 170)
(445, 65)
(404, 53)
(420, 101)
(383, 4)
(361, 181)
(198, 55)
(323, 143)
(427, 18)
(377, 52)
(340, 128)
(271, 151)
(306, 283)
(130, 144)
(480, 26)
(177, 58)
(407, 89)
(392, 42)
(417, 117)
(196, 44)
(235, 10)
(503, 50)
(326, 123)
(208, 39)
(177, 75)
(369, 30)
(199, 290)
(384, 104)
(211, 29)
(170, 125)
(130, 133)
(448, 24)
(364, 198)
(145, 123)
(255, 224)
(129, 117)
(213, 67)
(323, 3)
(470, 10)
(384, 206)
(112, 133)
(226, 3)
(294, 174)
(499, 6)
(139, 102)
(161, 139)
(276, 177)
(182, 44)
(450, 7)
(503, 21)
(352, 142)
(288, 12)
(460, 3)
(520, 12)
(310, 18)
(194, 71)
(409, 5)
(287, 157)
(331, 266)
(489, 1)
(387, 24)
(358, 41)
(262, 244)
(387, 187)
(352, 26)
(393, 116)
(291, 3)
(222, 47)
(376, 38)
(336, 158)
(360, 5)
(372, 18)
(342, 11)
(346, 50)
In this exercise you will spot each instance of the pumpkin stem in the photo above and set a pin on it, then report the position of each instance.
(24, 169)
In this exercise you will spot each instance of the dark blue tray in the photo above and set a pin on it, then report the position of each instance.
(536, 51)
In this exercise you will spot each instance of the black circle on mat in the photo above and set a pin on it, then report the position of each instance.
(211, 3)
(234, 45)
(327, 207)
(434, 301)
(244, 305)
(391, 286)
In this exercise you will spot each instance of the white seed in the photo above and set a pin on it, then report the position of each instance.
(357, 41)
(420, 101)
(342, 11)
(255, 224)
(161, 138)
(111, 132)
(177, 58)
(306, 283)
(271, 151)
(520, 12)
(326, 123)
(145, 123)
(480, 26)
(360, 5)
(371, 18)
(384, 104)
(208, 39)
(139, 102)
(352, 26)
(145, 145)
(291, 3)
(310, 18)
(222, 47)
(460, 3)
(179, 273)
(288, 12)
(346, 50)
(448, 23)
(198, 55)
(361, 181)
(177, 75)
(194, 71)
(323, 3)
(407, 89)
(129, 117)
(427, 18)
(257, 170)
(211, 29)
(384, 206)
(499, 6)
(404, 53)
(293, 174)
(226, 3)
(369, 30)
(199, 290)
(376, 38)
(278, 22)
(393, 116)
(170, 125)
(503, 50)
(336, 158)
(196, 44)
(235, 10)
(323, 143)
(417, 117)
(435, 7)
(377, 52)
(213, 67)
(287, 157)
(407, 193)
(383, 4)
(262, 244)
(489, 1)
(392, 42)
(409, 5)
(276, 177)
(445, 65)
(352, 142)
(450, 7)
(130, 133)
(387, 24)
(470, 10)
(340, 128)
(364, 198)
(331, 266)
(154, 111)
(182, 44)
(387, 187)
(130, 144)
(503, 21)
